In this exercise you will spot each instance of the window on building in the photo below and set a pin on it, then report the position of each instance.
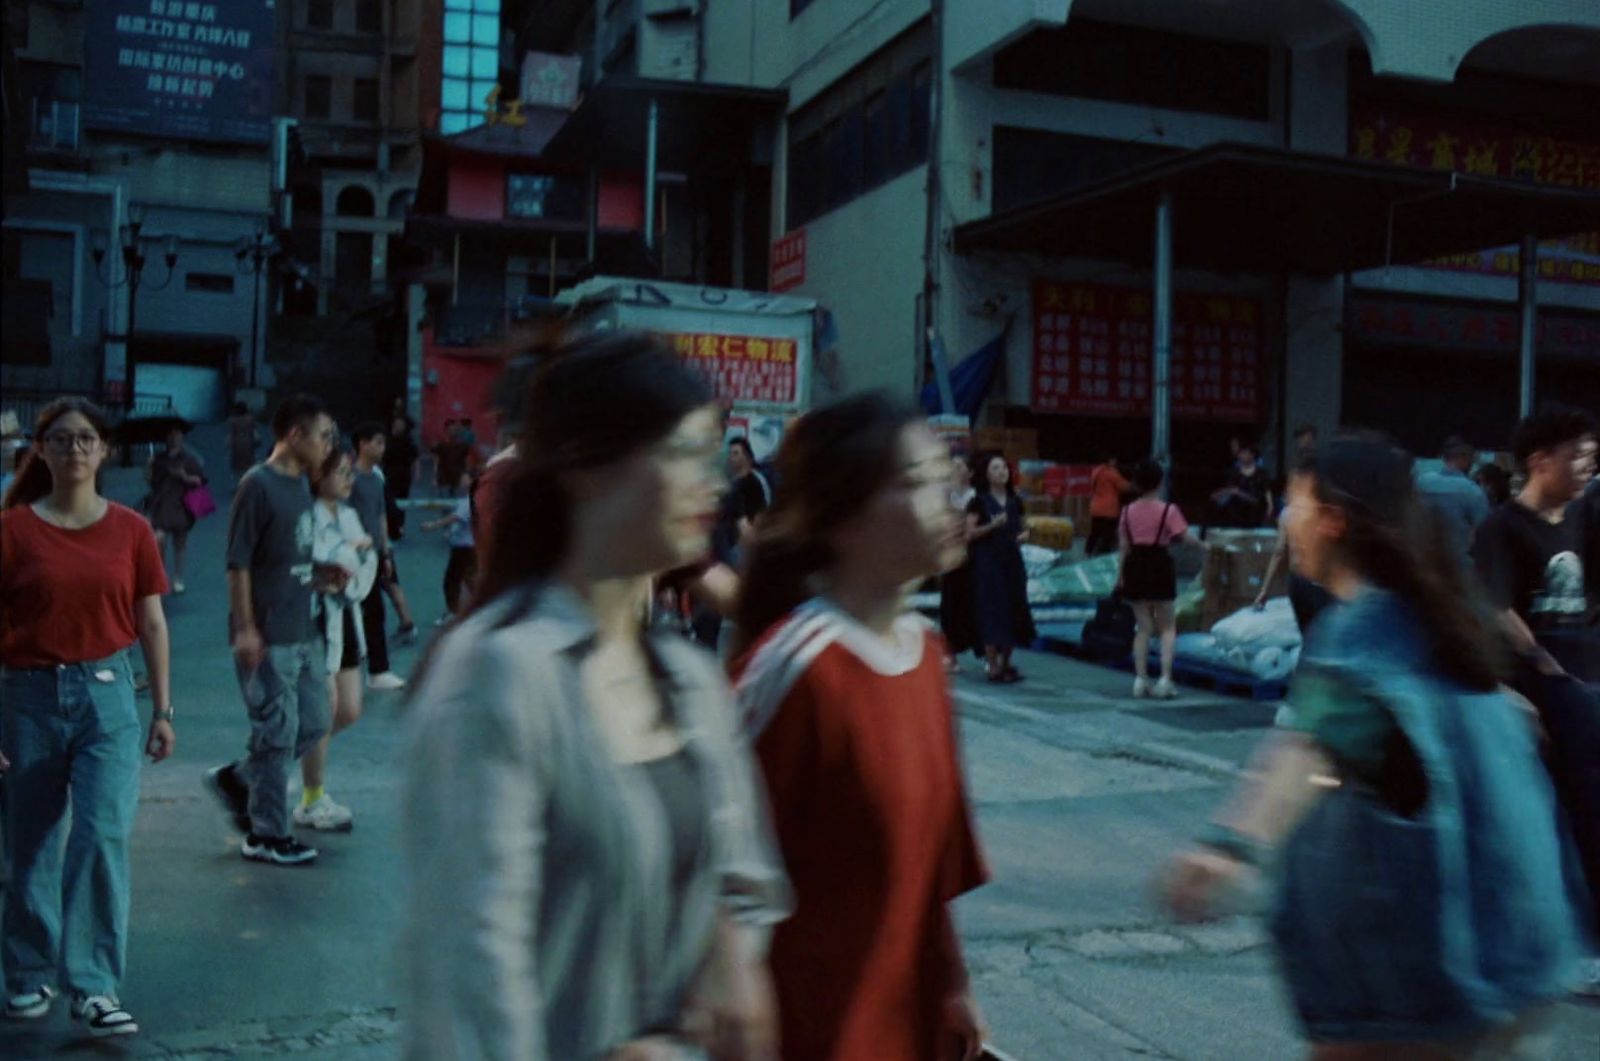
(355, 201)
(319, 96)
(51, 93)
(39, 288)
(871, 126)
(471, 62)
(541, 197)
(369, 16)
(209, 283)
(319, 14)
(364, 100)
(1128, 64)
(352, 275)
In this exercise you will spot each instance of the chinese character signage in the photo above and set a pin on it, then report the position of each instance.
(788, 261)
(1093, 347)
(743, 368)
(1459, 328)
(1427, 141)
(195, 71)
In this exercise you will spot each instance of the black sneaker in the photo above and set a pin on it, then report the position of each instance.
(277, 851)
(232, 793)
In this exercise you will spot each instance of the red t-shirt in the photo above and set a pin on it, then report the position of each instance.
(1107, 487)
(67, 596)
(857, 744)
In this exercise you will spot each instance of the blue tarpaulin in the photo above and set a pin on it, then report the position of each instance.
(970, 379)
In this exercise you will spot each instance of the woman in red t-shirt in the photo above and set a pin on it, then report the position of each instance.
(80, 581)
(846, 698)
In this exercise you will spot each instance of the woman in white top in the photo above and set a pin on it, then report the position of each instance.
(342, 542)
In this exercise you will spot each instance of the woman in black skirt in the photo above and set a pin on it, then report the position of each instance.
(1149, 580)
(958, 618)
(996, 529)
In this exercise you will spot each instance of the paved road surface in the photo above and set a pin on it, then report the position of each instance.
(1081, 794)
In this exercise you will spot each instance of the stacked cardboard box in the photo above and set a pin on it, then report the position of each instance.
(1235, 568)
(1052, 532)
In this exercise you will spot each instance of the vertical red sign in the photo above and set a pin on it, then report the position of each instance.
(788, 268)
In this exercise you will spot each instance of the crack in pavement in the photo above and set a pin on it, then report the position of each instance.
(335, 1031)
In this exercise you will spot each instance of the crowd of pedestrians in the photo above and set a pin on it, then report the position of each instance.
(619, 845)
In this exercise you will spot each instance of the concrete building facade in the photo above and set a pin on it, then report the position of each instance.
(1033, 97)
(170, 165)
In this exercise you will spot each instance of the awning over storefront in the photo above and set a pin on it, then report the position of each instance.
(1236, 207)
(696, 123)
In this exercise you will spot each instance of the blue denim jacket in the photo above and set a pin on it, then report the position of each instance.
(1396, 928)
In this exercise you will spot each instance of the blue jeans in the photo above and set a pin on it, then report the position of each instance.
(287, 697)
(72, 734)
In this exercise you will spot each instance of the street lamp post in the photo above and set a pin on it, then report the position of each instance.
(252, 253)
(131, 248)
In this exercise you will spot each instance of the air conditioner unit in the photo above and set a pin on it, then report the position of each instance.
(55, 125)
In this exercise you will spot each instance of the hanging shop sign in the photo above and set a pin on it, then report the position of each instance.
(1092, 352)
(788, 261)
(193, 71)
(1424, 140)
(742, 368)
(1465, 328)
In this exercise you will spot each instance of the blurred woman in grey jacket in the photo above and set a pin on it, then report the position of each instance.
(588, 858)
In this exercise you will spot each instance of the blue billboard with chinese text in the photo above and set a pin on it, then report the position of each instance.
(181, 69)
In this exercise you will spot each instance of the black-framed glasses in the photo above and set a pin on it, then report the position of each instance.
(67, 441)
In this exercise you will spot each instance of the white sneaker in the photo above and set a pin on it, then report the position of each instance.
(30, 1005)
(179, 589)
(1164, 690)
(1141, 688)
(324, 816)
(445, 620)
(386, 681)
(104, 1015)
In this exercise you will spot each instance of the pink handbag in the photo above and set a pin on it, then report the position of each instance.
(199, 502)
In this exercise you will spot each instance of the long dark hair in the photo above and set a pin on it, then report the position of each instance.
(980, 472)
(1399, 544)
(830, 465)
(33, 480)
(590, 402)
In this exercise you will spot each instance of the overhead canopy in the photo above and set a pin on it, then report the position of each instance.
(698, 122)
(1241, 208)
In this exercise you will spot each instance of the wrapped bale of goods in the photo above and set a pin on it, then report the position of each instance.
(1235, 569)
(1050, 531)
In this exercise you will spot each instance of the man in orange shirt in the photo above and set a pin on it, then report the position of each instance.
(1107, 489)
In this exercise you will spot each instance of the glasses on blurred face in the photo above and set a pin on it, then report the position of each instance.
(67, 442)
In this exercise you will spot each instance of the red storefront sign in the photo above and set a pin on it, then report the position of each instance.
(1448, 142)
(1467, 329)
(1092, 352)
(742, 368)
(788, 261)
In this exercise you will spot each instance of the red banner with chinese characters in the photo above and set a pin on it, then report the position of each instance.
(1092, 348)
(1439, 141)
(742, 368)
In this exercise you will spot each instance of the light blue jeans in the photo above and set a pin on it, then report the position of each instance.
(72, 734)
(287, 697)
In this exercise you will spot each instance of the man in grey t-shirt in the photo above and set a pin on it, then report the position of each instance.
(278, 653)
